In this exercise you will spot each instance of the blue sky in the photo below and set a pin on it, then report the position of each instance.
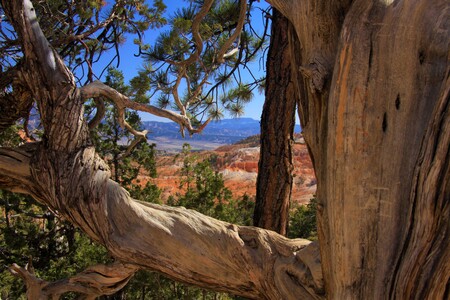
(130, 65)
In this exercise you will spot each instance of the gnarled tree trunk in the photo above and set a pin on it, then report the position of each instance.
(374, 83)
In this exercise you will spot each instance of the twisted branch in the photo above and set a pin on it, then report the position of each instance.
(97, 89)
(237, 32)
(93, 282)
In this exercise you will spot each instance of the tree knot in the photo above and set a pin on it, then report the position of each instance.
(317, 73)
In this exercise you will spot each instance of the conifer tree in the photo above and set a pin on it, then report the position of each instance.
(199, 63)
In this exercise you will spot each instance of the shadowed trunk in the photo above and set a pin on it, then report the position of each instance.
(274, 182)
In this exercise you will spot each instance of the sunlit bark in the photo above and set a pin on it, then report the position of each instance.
(373, 78)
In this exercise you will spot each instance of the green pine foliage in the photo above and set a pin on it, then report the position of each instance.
(302, 222)
(209, 88)
(100, 26)
(205, 191)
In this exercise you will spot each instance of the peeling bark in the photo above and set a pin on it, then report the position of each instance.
(13, 105)
(383, 101)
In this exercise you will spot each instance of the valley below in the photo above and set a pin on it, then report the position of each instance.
(238, 164)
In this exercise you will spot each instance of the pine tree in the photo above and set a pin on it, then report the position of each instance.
(101, 28)
(197, 66)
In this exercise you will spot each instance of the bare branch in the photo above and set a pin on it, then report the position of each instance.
(97, 88)
(81, 36)
(176, 97)
(139, 135)
(196, 35)
(193, 57)
(196, 32)
(93, 282)
(99, 114)
(248, 261)
(180, 243)
(237, 32)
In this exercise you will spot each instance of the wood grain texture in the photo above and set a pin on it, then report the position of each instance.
(373, 80)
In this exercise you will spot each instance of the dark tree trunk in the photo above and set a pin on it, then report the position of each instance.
(274, 182)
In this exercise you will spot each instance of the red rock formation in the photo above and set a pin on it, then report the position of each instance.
(239, 166)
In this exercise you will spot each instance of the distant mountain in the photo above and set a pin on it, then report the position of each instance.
(167, 135)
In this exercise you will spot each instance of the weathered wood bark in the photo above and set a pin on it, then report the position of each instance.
(95, 281)
(180, 243)
(64, 172)
(374, 80)
(274, 181)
